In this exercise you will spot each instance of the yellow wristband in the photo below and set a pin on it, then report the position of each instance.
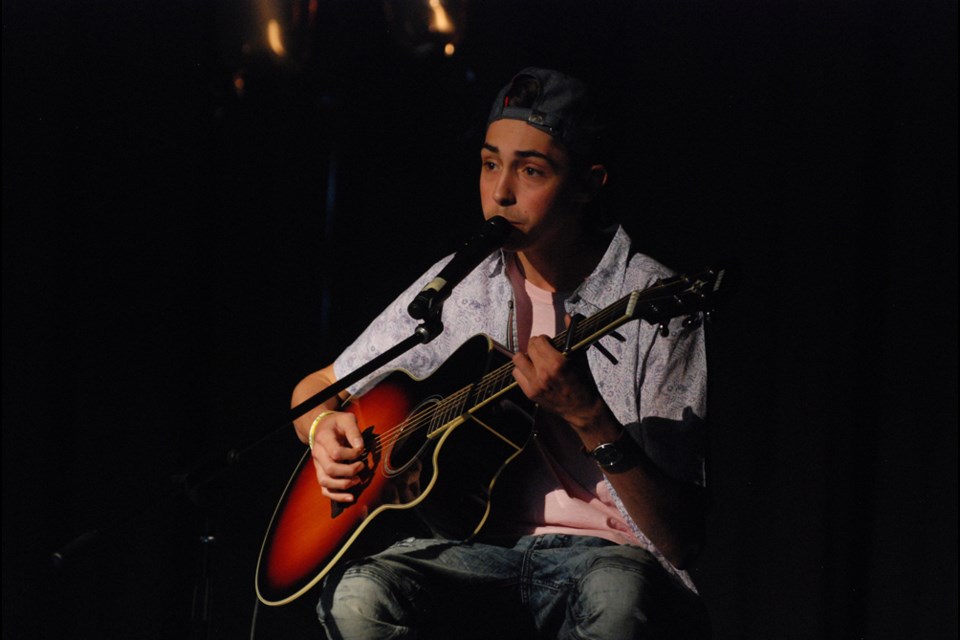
(313, 426)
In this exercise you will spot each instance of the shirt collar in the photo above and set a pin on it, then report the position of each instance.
(604, 285)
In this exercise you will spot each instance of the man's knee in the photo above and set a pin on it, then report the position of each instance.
(365, 601)
(627, 594)
(613, 587)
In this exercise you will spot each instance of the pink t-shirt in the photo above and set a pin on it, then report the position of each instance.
(562, 490)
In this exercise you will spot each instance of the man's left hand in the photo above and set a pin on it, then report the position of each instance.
(560, 384)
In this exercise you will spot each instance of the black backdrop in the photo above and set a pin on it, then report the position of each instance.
(190, 226)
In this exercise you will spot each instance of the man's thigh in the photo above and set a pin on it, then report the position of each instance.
(588, 588)
(438, 588)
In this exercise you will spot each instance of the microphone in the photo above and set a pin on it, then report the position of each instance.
(492, 235)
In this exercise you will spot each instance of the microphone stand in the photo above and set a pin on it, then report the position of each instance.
(425, 332)
(206, 471)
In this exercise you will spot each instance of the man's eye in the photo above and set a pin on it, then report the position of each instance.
(532, 171)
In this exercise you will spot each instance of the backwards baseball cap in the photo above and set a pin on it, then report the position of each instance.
(555, 103)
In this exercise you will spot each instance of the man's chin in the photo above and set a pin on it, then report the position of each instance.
(515, 243)
(517, 240)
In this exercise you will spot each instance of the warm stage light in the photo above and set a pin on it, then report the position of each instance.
(274, 38)
(440, 23)
(427, 27)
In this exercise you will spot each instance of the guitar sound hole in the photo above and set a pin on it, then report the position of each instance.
(411, 437)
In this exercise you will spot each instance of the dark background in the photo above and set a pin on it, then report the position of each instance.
(190, 225)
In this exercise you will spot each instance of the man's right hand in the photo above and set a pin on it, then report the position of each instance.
(337, 443)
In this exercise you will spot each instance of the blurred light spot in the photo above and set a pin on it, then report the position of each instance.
(449, 49)
(441, 21)
(273, 37)
(239, 84)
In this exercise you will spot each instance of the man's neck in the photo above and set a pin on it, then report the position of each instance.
(563, 266)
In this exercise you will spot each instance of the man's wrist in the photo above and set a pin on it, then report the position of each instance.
(616, 454)
(595, 422)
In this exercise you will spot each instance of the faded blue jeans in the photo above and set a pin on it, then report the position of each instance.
(550, 587)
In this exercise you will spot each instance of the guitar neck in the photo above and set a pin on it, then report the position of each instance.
(585, 332)
(668, 298)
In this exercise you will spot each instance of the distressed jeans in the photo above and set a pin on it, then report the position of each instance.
(546, 586)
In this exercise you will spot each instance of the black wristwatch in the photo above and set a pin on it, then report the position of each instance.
(616, 455)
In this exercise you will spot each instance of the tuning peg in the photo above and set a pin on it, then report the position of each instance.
(663, 329)
(692, 321)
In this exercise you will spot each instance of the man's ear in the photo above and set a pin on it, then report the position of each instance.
(592, 181)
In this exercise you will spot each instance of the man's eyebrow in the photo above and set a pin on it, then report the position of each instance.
(533, 154)
(537, 154)
(526, 154)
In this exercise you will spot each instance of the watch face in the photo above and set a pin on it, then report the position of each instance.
(607, 454)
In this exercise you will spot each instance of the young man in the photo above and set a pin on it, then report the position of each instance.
(594, 522)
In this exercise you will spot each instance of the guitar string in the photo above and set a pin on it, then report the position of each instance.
(493, 382)
(488, 385)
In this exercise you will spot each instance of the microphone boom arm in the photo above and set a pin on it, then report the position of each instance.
(491, 237)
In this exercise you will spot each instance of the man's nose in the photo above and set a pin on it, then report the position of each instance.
(503, 194)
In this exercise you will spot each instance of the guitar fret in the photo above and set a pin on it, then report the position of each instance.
(457, 409)
(454, 406)
(487, 388)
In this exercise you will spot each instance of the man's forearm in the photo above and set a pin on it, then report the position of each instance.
(668, 511)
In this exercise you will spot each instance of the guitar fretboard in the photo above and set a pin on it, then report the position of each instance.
(666, 299)
(585, 331)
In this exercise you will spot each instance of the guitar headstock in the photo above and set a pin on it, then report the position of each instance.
(681, 295)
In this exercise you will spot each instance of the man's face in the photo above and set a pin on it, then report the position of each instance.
(525, 177)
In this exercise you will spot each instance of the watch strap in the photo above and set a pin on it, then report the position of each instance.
(616, 455)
